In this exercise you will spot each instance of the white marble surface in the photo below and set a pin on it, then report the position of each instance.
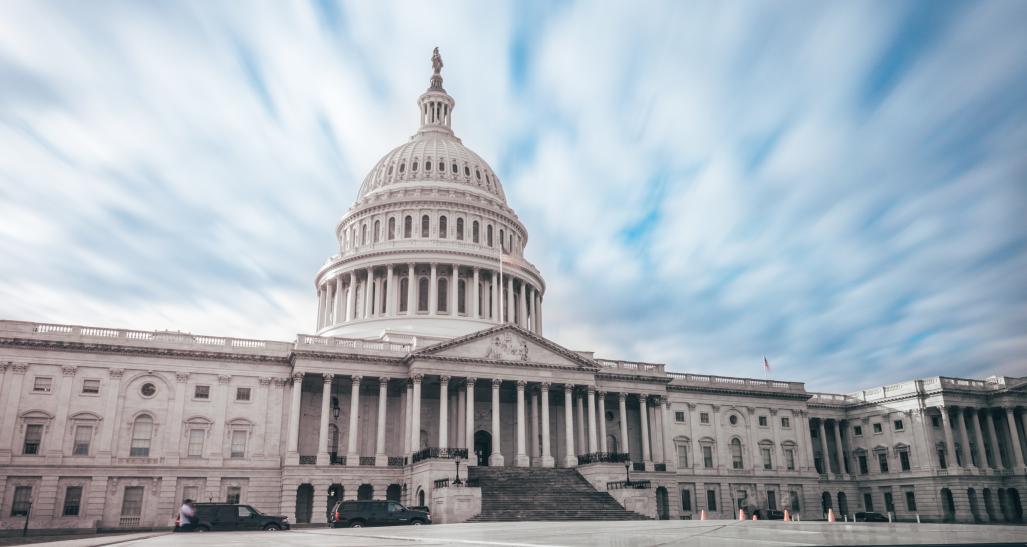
(611, 534)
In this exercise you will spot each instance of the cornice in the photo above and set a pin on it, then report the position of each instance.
(111, 349)
(499, 363)
(326, 356)
(345, 264)
(633, 378)
(743, 392)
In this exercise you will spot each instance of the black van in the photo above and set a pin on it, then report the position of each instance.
(357, 514)
(226, 517)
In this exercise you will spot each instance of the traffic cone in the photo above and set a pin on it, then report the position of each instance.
(741, 514)
(788, 516)
(754, 517)
(702, 515)
(830, 515)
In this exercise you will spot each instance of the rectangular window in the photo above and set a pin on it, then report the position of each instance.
(882, 460)
(857, 430)
(707, 457)
(686, 500)
(942, 463)
(233, 493)
(132, 503)
(196, 437)
(790, 459)
(22, 499)
(682, 456)
(863, 469)
(795, 501)
(910, 501)
(711, 500)
(83, 436)
(772, 500)
(679, 417)
(33, 438)
(877, 428)
(786, 422)
(190, 492)
(763, 421)
(242, 394)
(72, 501)
(238, 444)
(904, 460)
(868, 502)
(935, 421)
(201, 392)
(898, 425)
(765, 453)
(889, 503)
(42, 384)
(704, 418)
(90, 386)
(818, 463)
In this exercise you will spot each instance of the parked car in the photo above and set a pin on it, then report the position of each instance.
(357, 514)
(870, 517)
(770, 514)
(226, 517)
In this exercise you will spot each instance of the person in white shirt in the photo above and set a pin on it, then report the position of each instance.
(187, 516)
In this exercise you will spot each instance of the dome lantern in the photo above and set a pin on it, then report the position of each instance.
(435, 105)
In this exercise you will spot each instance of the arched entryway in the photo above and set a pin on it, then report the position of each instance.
(843, 504)
(393, 492)
(365, 492)
(420, 497)
(971, 496)
(1015, 506)
(611, 444)
(662, 504)
(335, 493)
(304, 503)
(948, 505)
(1003, 504)
(825, 502)
(482, 446)
(989, 504)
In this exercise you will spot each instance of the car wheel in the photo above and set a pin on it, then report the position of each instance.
(356, 524)
(272, 528)
(417, 523)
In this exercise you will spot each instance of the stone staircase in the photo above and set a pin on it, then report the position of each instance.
(526, 494)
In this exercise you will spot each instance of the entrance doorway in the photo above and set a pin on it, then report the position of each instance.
(662, 504)
(482, 446)
(335, 493)
(304, 502)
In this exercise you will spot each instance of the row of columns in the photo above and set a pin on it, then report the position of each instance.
(974, 414)
(337, 297)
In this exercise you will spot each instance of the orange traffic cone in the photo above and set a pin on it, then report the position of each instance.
(830, 515)
(788, 516)
(702, 515)
(754, 517)
(741, 514)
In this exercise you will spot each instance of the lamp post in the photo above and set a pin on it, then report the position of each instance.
(25, 530)
(627, 472)
(457, 481)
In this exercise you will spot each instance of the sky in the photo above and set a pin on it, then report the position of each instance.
(838, 186)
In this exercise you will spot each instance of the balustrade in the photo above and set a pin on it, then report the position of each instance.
(434, 453)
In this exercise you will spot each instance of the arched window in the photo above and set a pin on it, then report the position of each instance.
(455, 170)
(467, 171)
(488, 235)
(442, 226)
(422, 294)
(404, 286)
(408, 226)
(510, 246)
(377, 229)
(402, 167)
(477, 173)
(427, 165)
(392, 228)
(736, 454)
(460, 229)
(425, 224)
(474, 231)
(502, 238)
(363, 234)
(142, 432)
(413, 166)
(443, 302)
(461, 297)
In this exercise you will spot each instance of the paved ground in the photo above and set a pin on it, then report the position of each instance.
(609, 534)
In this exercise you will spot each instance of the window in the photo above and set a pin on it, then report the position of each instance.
(904, 460)
(763, 421)
(862, 464)
(882, 461)
(795, 500)
(408, 223)
(402, 167)
(502, 239)
(936, 421)
(443, 294)
(90, 386)
(765, 454)
(442, 227)
(392, 228)
(238, 444)
(898, 425)
(772, 500)
(461, 297)
(736, 454)
(679, 417)
(790, 459)
(142, 432)
(786, 422)
(242, 394)
(732, 419)
(377, 230)
(460, 229)
(363, 234)
(942, 463)
(910, 501)
(83, 436)
(686, 500)
(889, 502)
(488, 235)
(422, 294)
(474, 231)
(682, 456)
(33, 438)
(42, 384)
(232, 496)
(413, 166)
(148, 390)
(711, 500)
(455, 170)
(404, 286)
(201, 392)
(868, 501)
(22, 499)
(467, 171)
(72, 501)
(425, 225)
(245, 512)
(132, 503)
(704, 418)
(857, 430)
(427, 165)
(877, 428)
(707, 457)
(196, 437)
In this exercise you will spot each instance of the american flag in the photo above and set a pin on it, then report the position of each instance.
(766, 364)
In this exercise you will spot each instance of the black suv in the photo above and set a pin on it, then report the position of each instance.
(770, 514)
(357, 514)
(226, 517)
(870, 517)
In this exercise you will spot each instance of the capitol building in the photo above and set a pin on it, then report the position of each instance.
(429, 359)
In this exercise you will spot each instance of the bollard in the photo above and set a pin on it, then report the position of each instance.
(830, 515)
(788, 516)
(918, 518)
(754, 517)
(889, 517)
(845, 517)
(702, 515)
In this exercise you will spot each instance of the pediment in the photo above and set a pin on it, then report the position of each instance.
(506, 343)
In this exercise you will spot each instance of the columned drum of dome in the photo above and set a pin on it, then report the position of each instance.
(430, 249)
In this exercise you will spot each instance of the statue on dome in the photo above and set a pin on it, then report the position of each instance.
(436, 61)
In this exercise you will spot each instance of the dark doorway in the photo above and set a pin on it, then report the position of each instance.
(365, 492)
(335, 492)
(420, 497)
(1015, 505)
(948, 505)
(825, 502)
(662, 504)
(843, 504)
(304, 503)
(393, 492)
(971, 496)
(482, 447)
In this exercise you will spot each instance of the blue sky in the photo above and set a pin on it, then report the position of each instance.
(839, 186)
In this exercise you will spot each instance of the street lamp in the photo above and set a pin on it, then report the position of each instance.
(457, 481)
(627, 472)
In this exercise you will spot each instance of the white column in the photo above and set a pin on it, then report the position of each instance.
(329, 304)
(454, 288)
(602, 421)
(411, 290)
(461, 410)
(469, 419)
(408, 413)
(838, 448)
(533, 324)
(433, 290)
(538, 308)
(340, 302)
(582, 440)
(1014, 439)
(522, 305)
(368, 289)
(496, 315)
(496, 459)
(381, 459)
(320, 307)
(964, 439)
(982, 456)
(534, 426)
(950, 444)
(477, 296)
(294, 416)
(593, 445)
(521, 460)
(996, 450)
(352, 455)
(415, 416)
(625, 446)
(322, 432)
(55, 442)
(547, 455)
(351, 297)
(569, 459)
(665, 440)
(643, 415)
(825, 457)
(390, 292)
(509, 303)
(443, 411)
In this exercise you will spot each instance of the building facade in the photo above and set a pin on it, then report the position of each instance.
(429, 349)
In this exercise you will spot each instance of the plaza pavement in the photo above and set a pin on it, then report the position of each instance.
(604, 534)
